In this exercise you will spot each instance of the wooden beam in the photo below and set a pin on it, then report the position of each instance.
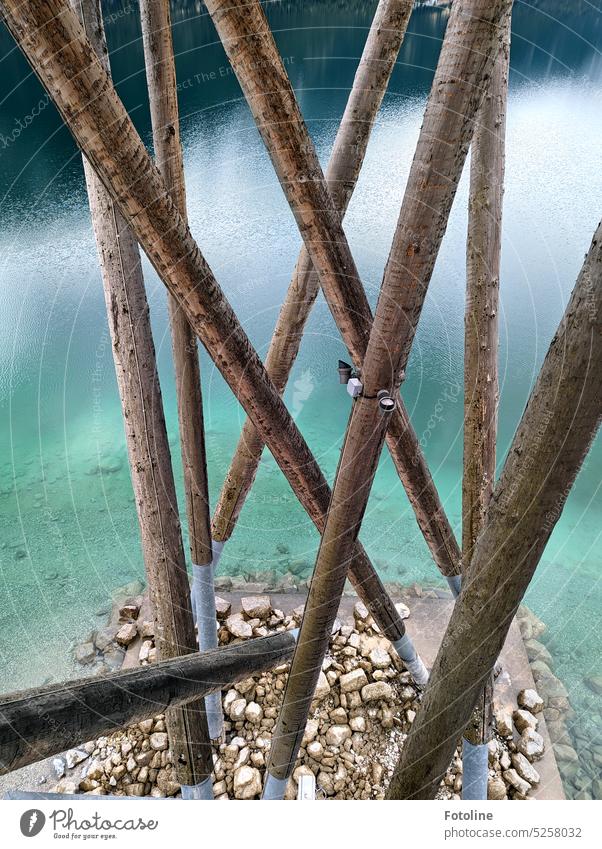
(552, 440)
(147, 443)
(53, 41)
(467, 55)
(163, 97)
(35, 724)
(249, 44)
(481, 340)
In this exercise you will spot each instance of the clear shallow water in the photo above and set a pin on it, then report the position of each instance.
(68, 529)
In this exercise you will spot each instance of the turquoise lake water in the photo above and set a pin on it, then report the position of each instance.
(68, 529)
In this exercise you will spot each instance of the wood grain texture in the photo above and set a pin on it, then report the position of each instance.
(55, 45)
(162, 90)
(550, 444)
(481, 333)
(318, 203)
(467, 55)
(35, 724)
(147, 443)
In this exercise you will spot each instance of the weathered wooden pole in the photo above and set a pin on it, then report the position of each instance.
(467, 55)
(54, 43)
(550, 444)
(147, 444)
(254, 57)
(35, 724)
(161, 79)
(481, 386)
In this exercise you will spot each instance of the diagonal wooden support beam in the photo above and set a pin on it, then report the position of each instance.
(250, 47)
(54, 43)
(481, 385)
(469, 49)
(552, 440)
(147, 445)
(163, 98)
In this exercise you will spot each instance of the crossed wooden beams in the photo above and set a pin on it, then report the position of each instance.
(53, 41)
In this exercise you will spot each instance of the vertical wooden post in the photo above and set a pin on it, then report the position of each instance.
(554, 435)
(54, 43)
(254, 57)
(468, 52)
(163, 98)
(147, 444)
(481, 387)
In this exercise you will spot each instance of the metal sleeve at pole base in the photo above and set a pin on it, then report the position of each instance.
(475, 770)
(455, 584)
(202, 791)
(274, 788)
(405, 649)
(203, 606)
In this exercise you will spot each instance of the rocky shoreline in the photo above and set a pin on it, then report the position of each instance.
(364, 707)
(578, 754)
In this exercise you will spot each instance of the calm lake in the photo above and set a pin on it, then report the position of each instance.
(68, 528)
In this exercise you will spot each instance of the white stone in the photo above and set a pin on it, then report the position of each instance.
(145, 650)
(315, 749)
(524, 719)
(256, 606)
(354, 680)
(126, 634)
(379, 658)
(377, 690)
(237, 709)
(75, 756)
(357, 723)
(360, 611)
(159, 741)
(525, 769)
(243, 757)
(496, 788)
(530, 700)
(237, 626)
(337, 734)
(311, 731)
(403, 610)
(58, 765)
(503, 721)
(247, 782)
(94, 770)
(512, 778)
(322, 687)
(253, 713)
(531, 744)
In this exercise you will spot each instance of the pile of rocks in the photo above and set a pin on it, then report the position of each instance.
(133, 762)
(364, 706)
(517, 746)
(578, 753)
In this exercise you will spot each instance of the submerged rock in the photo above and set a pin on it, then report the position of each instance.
(594, 682)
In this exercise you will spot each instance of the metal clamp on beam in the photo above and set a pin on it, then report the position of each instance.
(386, 403)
